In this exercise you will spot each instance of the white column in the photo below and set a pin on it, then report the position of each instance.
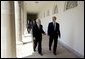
(8, 43)
(17, 22)
(22, 18)
(25, 18)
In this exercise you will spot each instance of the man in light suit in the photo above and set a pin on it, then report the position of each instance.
(37, 35)
(54, 33)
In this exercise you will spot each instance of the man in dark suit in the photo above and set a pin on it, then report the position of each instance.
(37, 36)
(53, 32)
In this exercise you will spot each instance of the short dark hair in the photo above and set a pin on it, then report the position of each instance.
(54, 17)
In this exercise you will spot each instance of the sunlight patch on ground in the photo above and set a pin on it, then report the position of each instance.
(25, 48)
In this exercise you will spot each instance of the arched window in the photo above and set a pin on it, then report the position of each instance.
(44, 14)
(70, 4)
(55, 10)
(48, 13)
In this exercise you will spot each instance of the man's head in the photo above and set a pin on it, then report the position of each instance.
(38, 21)
(54, 19)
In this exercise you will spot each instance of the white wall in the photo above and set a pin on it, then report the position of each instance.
(71, 24)
(72, 28)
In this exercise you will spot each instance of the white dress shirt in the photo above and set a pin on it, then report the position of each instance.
(54, 24)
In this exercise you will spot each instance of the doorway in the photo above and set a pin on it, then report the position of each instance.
(31, 19)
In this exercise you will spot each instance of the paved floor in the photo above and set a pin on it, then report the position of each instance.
(26, 50)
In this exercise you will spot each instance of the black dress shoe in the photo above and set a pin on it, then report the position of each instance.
(54, 53)
(41, 54)
(50, 49)
(34, 50)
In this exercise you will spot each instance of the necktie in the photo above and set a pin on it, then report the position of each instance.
(54, 26)
(38, 26)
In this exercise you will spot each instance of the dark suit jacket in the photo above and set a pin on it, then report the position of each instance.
(51, 31)
(37, 33)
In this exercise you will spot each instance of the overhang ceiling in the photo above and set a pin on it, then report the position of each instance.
(35, 6)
